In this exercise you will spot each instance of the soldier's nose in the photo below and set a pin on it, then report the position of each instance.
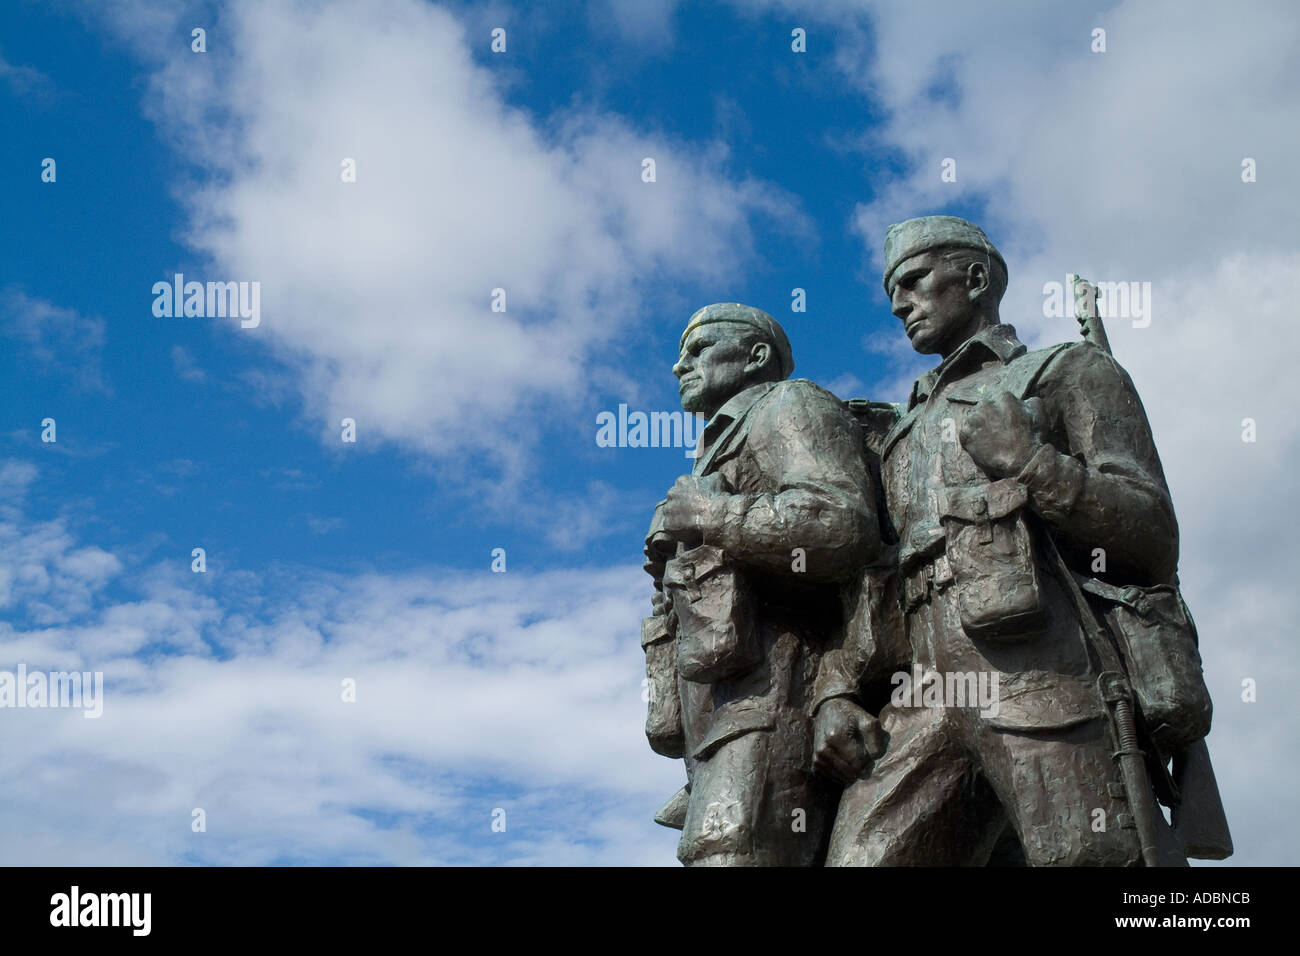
(679, 368)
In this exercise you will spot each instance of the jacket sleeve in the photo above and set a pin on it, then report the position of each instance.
(1098, 479)
(809, 450)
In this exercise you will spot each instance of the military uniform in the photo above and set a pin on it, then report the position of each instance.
(789, 460)
(978, 595)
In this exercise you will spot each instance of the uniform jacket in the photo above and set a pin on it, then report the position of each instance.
(1096, 481)
(789, 459)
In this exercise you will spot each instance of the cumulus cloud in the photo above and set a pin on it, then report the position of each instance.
(378, 294)
(473, 691)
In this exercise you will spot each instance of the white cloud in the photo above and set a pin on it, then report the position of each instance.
(187, 369)
(378, 293)
(641, 21)
(474, 690)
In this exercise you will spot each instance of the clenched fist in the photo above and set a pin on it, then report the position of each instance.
(692, 509)
(998, 434)
(845, 740)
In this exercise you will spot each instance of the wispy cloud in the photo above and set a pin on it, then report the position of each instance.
(58, 342)
(27, 83)
(185, 366)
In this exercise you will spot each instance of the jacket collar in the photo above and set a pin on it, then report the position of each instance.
(738, 404)
(722, 423)
(995, 341)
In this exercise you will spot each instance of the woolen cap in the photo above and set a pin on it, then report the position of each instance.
(906, 239)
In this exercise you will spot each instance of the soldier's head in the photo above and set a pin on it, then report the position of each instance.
(944, 280)
(725, 348)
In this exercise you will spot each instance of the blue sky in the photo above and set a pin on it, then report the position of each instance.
(476, 430)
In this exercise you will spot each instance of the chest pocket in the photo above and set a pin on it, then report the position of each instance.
(991, 554)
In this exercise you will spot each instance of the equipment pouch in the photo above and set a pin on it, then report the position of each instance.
(1158, 641)
(992, 557)
(663, 723)
(716, 634)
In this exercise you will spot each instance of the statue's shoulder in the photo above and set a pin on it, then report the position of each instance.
(1049, 353)
(1070, 365)
(802, 402)
(1025, 373)
(804, 392)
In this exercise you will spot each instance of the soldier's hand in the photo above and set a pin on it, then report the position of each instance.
(657, 552)
(998, 434)
(845, 740)
(690, 509)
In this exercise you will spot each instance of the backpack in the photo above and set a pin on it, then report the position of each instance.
(1151, 625)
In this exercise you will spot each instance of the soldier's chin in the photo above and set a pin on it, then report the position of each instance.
(923, 343)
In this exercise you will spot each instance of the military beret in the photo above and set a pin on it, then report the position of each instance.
(906, 239)
(745, 315)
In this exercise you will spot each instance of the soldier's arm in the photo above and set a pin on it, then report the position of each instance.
(1098, 480)
(811, 449)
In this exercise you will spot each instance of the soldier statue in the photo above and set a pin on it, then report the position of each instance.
(1037, 545)
(749, 554)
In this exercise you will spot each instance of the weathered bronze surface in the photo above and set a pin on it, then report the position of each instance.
(943, 634)
(748, 554)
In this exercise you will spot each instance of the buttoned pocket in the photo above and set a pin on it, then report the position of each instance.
(716, 635)
(991, 555)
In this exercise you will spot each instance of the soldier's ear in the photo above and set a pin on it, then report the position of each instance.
(977, 280)
(760, 356)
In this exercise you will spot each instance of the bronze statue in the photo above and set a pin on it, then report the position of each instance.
(986, 646)
(749, 553)
(1037, 546)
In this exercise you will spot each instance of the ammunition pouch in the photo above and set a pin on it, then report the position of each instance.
(663, 723)
(992, 558)
(1158, 642)
(716, 631)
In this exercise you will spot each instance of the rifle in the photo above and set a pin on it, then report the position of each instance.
(1118, 697)
(1085, 310)
(1204, 832)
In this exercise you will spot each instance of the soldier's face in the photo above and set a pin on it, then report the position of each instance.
(712, 366)
(932, 298)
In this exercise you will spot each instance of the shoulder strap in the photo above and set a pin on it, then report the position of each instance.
(1023, 373)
